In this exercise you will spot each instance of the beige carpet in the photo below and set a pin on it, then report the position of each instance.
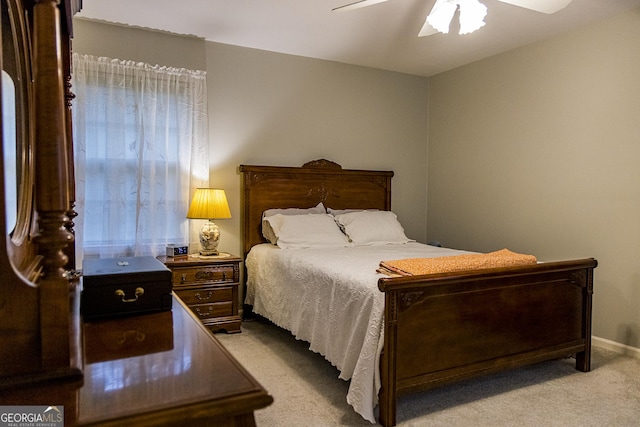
(307, 391)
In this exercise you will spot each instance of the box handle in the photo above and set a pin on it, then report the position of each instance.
(120, 294)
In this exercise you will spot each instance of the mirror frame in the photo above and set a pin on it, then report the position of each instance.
(23, 82)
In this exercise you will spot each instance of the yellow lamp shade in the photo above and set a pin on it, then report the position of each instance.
(209, 203)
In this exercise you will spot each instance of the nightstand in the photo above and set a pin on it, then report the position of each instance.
(210, 287)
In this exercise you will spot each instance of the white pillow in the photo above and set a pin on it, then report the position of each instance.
(318, 209)
(344, 211)
(372, 228)
(268, 233)
(305, 231)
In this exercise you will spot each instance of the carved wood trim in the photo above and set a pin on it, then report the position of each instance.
(322, 164)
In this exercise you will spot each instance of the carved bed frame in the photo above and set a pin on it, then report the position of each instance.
(446, 327)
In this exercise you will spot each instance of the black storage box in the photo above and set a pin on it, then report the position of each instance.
(124, 286)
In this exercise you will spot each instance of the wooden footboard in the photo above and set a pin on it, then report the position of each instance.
(444, 328)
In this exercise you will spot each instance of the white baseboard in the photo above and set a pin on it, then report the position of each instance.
(616, 346)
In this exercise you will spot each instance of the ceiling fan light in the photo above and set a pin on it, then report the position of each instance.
(472, 14)
(441, 15)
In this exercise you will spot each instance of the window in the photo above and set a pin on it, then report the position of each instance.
(140, 144)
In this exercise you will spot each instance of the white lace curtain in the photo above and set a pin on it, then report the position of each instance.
(141, 148)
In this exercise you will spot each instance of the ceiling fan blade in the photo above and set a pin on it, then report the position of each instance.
(544, 6)
(427, 29)
(356, 5)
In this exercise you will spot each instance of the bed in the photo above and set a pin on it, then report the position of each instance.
(420, 331)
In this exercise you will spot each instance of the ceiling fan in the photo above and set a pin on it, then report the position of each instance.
(472, 12)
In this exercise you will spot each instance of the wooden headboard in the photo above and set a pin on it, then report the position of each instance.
(268, 187)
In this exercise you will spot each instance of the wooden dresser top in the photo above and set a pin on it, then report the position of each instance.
(152, 369)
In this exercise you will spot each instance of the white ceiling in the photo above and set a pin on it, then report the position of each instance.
(381, 36)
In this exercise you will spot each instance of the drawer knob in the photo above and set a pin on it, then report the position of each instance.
(123, 297)
(201, 298)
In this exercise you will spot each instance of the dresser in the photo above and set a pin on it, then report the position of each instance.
(210, 287)
(158, 369)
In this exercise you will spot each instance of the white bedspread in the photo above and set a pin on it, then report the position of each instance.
(330, 298)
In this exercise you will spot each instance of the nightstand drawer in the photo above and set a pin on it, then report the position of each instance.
(205, 295)
(219, 309)
(211, 288)
(221, 273)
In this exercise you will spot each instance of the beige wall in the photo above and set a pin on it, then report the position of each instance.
(537, 150)
(152, 47)
(275, 109)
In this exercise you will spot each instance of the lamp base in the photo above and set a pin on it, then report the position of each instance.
(208, 253)
(209, 239)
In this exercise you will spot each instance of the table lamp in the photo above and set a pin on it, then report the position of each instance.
(209, 204)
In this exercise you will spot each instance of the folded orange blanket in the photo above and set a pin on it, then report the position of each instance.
(447, 264)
